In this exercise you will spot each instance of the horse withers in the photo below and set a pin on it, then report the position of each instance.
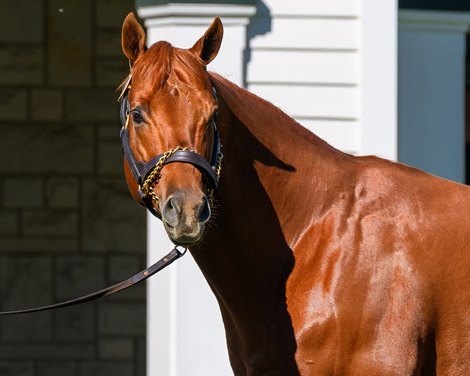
(322, 263)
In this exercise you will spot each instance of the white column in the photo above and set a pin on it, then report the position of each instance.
(185, 331)
(432, 91)
(183, 24)
(379, 78)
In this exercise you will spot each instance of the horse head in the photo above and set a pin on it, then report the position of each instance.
(169, 116)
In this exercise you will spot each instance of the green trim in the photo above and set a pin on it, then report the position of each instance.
(145, 3)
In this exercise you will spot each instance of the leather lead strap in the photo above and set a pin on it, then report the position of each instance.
(139, 277)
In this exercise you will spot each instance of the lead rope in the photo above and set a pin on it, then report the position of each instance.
(137, 278)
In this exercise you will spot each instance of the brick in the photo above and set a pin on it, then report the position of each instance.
(109, 133)
(106, 369)
(111, 13)
(22, 22)
(8, 222)
(38, 245)
(25, 192)
(13, 104)
(110, 159)
(32, 149)
(69, 42)
(75, 323)
(108, 43)
(47, 351)
(16, 368)
(110, 156)
(28, 279)
(61, 192)
(111, 71)
(57, 368)
(46, 104)
(78, 275)
(111, 221)
(141, 357)
(92, 105)
(122, 318)
(121, 267)
(50, 222)
(27, 328)
(116, 348)
(24, 65)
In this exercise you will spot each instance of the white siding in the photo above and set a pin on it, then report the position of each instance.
(305, 58)
(316, 33)
(304, 67)
(313, 8)
(310, 101)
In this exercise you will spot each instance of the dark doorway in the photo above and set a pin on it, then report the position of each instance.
(467, 112)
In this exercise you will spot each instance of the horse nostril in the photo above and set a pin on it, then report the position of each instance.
(203, 212)
(174, 205)
(171, 211)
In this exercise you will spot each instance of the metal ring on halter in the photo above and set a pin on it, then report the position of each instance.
(180, 253)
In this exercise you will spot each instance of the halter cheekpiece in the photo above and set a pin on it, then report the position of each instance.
(147, 174)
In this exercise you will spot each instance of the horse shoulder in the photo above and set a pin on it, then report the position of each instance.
(365, 273)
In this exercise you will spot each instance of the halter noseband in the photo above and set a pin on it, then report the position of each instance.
(147, 174)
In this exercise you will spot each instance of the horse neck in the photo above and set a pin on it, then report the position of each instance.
(266, 150)
(272, 185)
(270, 164)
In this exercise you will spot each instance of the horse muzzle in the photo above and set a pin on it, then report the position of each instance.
(184, 215)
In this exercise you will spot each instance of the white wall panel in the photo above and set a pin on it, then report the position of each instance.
(186, 334)
(379, 78)
(313, 7)
(306, 33)
(305, 57)
(303, 67)
(312, 101)
(343, 135)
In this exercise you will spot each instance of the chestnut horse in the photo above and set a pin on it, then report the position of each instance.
(322, 263)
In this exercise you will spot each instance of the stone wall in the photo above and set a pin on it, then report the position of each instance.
(68, 225)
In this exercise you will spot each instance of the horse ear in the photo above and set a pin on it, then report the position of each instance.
(133, 38)
(208, 46)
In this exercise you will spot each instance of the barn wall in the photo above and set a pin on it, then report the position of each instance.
(67, 223)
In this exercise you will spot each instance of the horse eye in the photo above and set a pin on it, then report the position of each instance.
(136, 117)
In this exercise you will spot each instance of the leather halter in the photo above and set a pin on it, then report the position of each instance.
(141, 169)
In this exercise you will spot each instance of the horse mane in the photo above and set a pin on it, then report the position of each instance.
(155, 65)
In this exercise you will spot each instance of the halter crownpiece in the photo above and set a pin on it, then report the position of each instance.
(147, 174)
